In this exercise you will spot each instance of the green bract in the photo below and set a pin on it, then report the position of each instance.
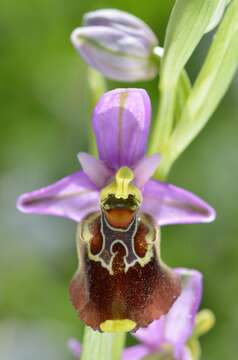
(187, 24)
(102, 346)
(217, 15)
(209, 88)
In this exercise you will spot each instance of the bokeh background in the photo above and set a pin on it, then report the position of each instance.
(45, 121)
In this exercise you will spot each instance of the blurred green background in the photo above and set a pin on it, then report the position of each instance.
(45, 121)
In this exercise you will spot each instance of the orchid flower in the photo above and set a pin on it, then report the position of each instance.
(121, 284)
(171, 337)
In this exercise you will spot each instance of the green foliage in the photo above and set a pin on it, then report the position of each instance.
(182, 93)
(187, 24)
(211, 83)
(183, 110)
(97, 86)
(210, 86)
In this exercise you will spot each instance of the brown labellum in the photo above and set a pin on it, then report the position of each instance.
(120, 275)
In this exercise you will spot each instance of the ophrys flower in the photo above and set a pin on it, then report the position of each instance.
(121, 283)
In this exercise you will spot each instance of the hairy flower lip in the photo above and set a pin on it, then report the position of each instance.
(121, 117)
(173, 329)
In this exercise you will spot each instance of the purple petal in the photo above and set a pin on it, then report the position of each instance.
(185, 354)
(169, 204)
(145, 169)
(121, 123)
(137, 352)
(152, 335)
(96, 170)
(75, 347)
(179, 321)
(73, 197)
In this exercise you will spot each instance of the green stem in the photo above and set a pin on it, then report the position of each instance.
(164, 121)
(97, 86)
(171, 103)
(98, 346)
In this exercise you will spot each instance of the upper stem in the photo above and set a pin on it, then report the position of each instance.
(97, 85)
(102, 346)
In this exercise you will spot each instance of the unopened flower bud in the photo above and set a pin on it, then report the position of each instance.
(117, 44)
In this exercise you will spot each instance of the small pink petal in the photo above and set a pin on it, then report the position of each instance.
(186, 354)
(96, 170)
(152, 335)
(180, 319)
(145, 169)
(137, 352)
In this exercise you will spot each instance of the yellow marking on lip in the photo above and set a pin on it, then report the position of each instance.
(112, 326)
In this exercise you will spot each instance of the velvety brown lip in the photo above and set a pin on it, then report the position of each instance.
(141, 294)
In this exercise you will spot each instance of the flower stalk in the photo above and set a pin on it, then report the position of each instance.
(97, 87)
(170, 106)
(97, 346)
